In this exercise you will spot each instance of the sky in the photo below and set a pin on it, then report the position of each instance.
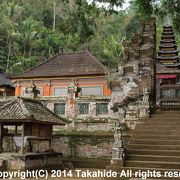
(125, 5)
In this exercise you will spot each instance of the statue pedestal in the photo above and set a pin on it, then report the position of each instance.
(117, 157)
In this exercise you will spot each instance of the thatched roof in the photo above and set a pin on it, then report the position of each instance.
(160, 69)
(28, 110)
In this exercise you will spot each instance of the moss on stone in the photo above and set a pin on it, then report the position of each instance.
(85, 133)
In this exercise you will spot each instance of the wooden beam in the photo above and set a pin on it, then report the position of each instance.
(16, 130)
(50, 143)
(15, 133)
(22, 139)
(1, 137)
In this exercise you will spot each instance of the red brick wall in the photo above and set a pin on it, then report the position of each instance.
(48, 88)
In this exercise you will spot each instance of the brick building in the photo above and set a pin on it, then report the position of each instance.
(53, 77)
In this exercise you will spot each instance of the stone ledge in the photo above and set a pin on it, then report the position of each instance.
(102, 134)
(84, 134)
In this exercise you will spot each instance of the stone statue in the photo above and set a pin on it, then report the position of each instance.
(118, 138)
(117, 149)
(121, 70)
(145, 95)
(144, 105)
(73, 89)
(32, 91)
(121, 113)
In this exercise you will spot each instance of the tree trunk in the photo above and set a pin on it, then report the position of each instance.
(54, 15)
(9, 52)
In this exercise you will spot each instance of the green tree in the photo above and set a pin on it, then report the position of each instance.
(10, 13)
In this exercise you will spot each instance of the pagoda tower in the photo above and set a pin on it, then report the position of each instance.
(168, 53)
(168, 72)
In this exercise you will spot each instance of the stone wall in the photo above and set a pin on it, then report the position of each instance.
(133, 83)
(33, 162)
(74, 144)
(84, 147)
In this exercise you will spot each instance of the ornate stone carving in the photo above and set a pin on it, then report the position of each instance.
(32, 91)
(118, 154)
(145, 96)
(144, 104)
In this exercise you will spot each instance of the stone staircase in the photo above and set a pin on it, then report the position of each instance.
(155, 143)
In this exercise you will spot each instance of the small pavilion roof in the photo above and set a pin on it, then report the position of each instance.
(4, 81)
(28, 110)
(66, 64)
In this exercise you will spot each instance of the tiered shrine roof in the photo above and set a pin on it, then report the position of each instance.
(168, 53)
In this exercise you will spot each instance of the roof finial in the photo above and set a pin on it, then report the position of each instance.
(167, 21)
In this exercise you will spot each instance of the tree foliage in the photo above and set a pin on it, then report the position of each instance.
(34, 30)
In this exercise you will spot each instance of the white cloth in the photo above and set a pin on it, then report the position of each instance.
(18, 141)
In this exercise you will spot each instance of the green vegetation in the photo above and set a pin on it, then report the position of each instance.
(34, 30)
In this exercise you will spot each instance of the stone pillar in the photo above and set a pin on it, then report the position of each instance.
(47, 89)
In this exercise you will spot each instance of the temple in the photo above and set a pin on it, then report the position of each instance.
(113, 115)
(56, 76)
(168, 71)
(27, 124)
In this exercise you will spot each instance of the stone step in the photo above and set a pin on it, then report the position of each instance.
(153, 164)
(155, 141)
(166, 116)
(153, 147)
(167, 112)
(159, 137)
(164, 173)
(120, 169)
(153, 152)
(164, 128)
(152, 158)
(157, 132)
(159, 123)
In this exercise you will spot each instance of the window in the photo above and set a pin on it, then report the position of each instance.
(168, 81)
(87, 91)
(168, 93)
(60, 91)
(177, 92)
(83, 108)
(101, 108)
(59, 109)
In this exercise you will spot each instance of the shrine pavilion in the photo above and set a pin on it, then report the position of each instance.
(168, 71)
(35, 120)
